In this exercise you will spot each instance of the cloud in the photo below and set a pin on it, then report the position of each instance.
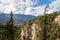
(23, 6)
(7, 5)
(16, 5)
(26, 7)
(35, 11)
(54, 6)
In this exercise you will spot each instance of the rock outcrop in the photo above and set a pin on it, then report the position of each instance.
(57, 19)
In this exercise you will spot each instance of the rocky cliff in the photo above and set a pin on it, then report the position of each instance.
(34, 29)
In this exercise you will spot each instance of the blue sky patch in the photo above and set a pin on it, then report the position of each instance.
(42, 2)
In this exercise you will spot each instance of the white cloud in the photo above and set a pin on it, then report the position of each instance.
(25, 7)
(16, 5)
(54, 6)
(22, 7)
(35, 11)
(7, 5)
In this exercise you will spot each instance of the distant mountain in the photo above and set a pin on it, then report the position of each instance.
(18, 18)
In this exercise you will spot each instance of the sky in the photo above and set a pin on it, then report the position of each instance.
(29, 7)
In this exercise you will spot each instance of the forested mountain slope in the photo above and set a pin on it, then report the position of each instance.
(34, 29)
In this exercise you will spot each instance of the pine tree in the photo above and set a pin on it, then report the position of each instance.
(10, 28)
(44, 24)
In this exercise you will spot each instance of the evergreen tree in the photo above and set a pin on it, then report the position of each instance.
(10, 28)
(44, 24)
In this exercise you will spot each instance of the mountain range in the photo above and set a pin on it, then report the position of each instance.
(18, 18)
